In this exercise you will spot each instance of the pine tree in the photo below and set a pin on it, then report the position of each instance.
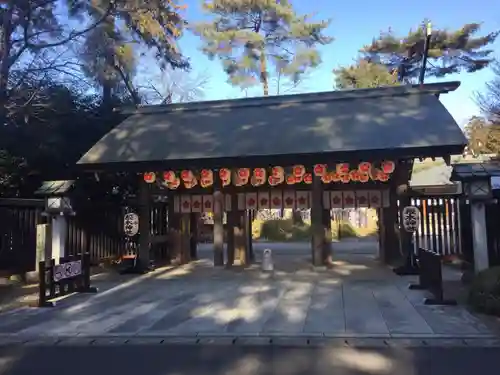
(250, 36)
(364, 74)
(110, 49)
(450, 51)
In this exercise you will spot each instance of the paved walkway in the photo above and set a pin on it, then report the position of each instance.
(357, 298)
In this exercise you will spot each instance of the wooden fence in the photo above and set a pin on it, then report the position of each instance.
(96, 229)
(18, 220)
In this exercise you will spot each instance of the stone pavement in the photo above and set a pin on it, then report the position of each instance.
(356, 299)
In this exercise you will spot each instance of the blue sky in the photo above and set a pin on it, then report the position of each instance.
(355, 23)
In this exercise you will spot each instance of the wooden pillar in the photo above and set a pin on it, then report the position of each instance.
(327, 246)
(233, 230)
(249, 216)
(173, 230)
(241, 239)
(193, 226)
(218, 227)
(317, 228)
(144, 225)
(390, 216)
(185, 243)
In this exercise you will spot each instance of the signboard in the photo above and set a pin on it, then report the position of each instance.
(131, 224)
(67, 270)
(411, 218)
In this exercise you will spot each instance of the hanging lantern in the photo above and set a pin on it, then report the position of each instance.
(326, 178)
(224, 174)
(205, 182)
(298, 179)
(244, 173)
(308, 178)
(299, 170)
(207, 173)
(353, 175)
(334, 177)
(186, 175)
(388, 166)
(345, 178)
(239, 181)
(278, 172)
(364, 166)
(290, 180)
(169, 176)
(364, 177)
(383, 177)
(273, 181)
(342, 168)
(174, 184)
(260, 173)
(149, 177)
(320, 170)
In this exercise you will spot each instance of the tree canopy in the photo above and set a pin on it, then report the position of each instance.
(364, 74)
(250, 35)
(450, 51)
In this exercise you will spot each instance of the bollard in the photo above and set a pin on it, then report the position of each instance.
(267, 260)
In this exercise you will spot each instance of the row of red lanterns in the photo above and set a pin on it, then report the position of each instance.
(258, 176)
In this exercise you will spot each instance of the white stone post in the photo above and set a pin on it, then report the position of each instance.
(479, 236)
(59, 231)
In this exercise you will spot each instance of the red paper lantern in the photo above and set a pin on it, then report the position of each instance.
(206, 173)
(335, 177)
(364, 177)
(327, 178)
(259, 173)
(388, 166)
(299, 170)
(149, 177)
(290, 180)
(308, 178)
(353, 175)
(342, 168)
(224, 174)
(186, 175)
(244, 173)
(320, 170)
(174, 184)
(273, 181)
(298, 179)
(345, 178)
(364, 166)
(169, 176)
(278, 172)
(383, 177)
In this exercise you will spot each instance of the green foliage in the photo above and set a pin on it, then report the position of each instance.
(111, 49)
(484, 293)
(247, 35)
(287, 230)
(364, 74)
(483, 136)
(450, 51)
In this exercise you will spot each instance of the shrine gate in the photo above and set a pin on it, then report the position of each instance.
(340, 149)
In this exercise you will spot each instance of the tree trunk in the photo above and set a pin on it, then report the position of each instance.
(263, 73)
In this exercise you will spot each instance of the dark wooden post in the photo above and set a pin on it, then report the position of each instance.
(318, 230)
(144, 225)
(193, 245)
(218, 224)
(232, 225)
(173, 227)
(241, 239)
(327, 246)
(184, 238)
(249, 216)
